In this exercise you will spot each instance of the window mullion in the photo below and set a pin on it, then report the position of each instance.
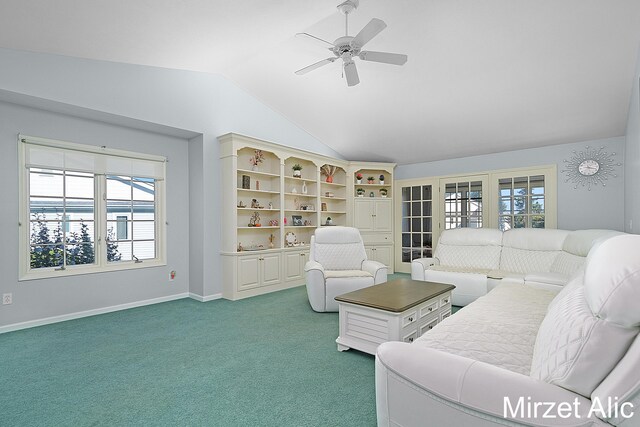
(100, 217)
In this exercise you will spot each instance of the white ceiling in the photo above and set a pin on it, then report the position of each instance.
(482, 76)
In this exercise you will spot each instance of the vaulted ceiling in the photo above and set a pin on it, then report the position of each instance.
(482, 76)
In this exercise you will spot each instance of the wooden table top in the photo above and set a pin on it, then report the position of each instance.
(397, 295)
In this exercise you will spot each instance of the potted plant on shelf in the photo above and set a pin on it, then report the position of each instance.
(328, 171)
(297, 170)
(383, 192)
(360, 192)
(382, 179)
(370, 180)
(258, 157)
(358, 178)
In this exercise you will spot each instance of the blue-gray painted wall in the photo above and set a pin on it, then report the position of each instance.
(602, 207)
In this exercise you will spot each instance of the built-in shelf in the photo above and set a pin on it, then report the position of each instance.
(258, 209)
(333, 212)
(333, 198)
(247, 171)
(372, 185)
(248, 190)
(333, 184)
(301, 195)
(292, 178)
(299, 210)
(259, 228)
(301, 226)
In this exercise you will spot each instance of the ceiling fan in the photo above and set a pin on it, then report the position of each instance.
(348, 47)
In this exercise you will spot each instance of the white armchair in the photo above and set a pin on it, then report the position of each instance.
(338, 264)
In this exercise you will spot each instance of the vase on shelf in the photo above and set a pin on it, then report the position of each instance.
(329, 178)
(358, 181)
(304, 187)
(381, 182)
(297, 173)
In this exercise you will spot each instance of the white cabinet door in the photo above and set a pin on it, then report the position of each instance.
(249, 272)
(383, 254)
(382, 215)
(371, 253)
(294, 265)
(270, 269)
(363, 210)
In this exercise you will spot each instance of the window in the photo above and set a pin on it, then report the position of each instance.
(88, 209)
(521, 202)
(463, 201)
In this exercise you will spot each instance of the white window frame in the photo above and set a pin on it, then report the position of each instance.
(100, 244)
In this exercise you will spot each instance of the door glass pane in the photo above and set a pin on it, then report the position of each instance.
(416, 222)
(522, 202)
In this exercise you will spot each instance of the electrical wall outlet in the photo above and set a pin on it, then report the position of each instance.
(7, 299)
(172, 275)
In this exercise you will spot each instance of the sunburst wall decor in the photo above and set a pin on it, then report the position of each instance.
(590, 167)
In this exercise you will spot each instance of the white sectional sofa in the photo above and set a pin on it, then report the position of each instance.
(524, 355)
(477, 260)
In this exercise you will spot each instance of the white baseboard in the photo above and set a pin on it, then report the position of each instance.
(204, 298)
(80, 314)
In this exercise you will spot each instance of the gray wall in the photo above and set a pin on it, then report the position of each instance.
(602, 207)
(632, 159)
(37, 299)
(204, 104)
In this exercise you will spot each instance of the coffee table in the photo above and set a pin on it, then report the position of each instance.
(399, 310)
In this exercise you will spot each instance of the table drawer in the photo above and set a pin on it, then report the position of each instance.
(429, 308)
(428, 326)
(409, 318)
(411, 336)
(444, 300)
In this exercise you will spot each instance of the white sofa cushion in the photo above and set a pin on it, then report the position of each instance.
(589, 328)
(525, 250)
(338, 248)
(469, 248)
(333, 274)
(499, 328)
(612, 280)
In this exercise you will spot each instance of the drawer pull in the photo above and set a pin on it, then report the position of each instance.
(411, 339)
(430, 309)
(446, 301)
(410, 319)
(430, 326)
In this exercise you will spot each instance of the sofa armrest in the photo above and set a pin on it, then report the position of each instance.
(377, 269)
(447, 389)
(314, 277)
(418, 266)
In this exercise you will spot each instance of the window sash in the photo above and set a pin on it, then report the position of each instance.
(155, 255)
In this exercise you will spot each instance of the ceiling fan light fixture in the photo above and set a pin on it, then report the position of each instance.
(349, 47)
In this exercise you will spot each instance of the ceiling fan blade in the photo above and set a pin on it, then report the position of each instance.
(385, 57)
(312, 67)
(351, 73)
(368, 32)
(318, 40)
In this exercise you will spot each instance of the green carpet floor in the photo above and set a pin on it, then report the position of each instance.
(263, 361)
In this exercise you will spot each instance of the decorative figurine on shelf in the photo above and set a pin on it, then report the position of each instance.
(370, 180)
(240, 247)
(270, 205)
(360, 192)
(381, 179)
(271, 239)
(296, 204)
(255, 204)
(258, 157)
(254, 221)
(307, 223)
(284, 220)
(358, 178)
(297, 170)
(328, 171)
(329, 221)
(273, 223)
(294, 190)
(383, 192)
(257, 185)
(241, 204)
